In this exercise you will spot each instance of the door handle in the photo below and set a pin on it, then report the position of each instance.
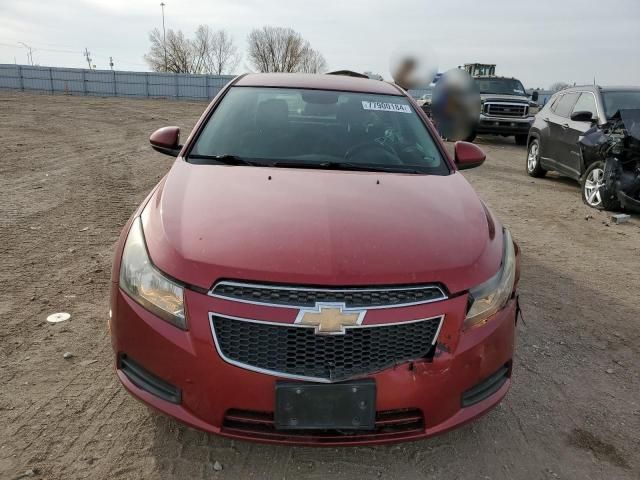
(565, 125)
(546, 119)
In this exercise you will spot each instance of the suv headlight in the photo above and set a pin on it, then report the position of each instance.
(146, 284)
(489, 297)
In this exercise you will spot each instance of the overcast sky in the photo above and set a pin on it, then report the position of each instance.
(540, 41)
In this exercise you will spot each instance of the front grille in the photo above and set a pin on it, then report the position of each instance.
(299, 297)
(390, 425)
(506, 109)
(297, 352)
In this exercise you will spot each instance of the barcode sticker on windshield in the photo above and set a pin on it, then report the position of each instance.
(386, 107)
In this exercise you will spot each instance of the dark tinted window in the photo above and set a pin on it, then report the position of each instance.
(586, 103)
(620, 100)
(563, 106)
(267, 125)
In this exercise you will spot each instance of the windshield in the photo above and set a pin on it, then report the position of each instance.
(312, 128)
(620, 100)
(500, 86)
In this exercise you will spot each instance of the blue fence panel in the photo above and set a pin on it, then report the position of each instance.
(131, 84)
(107, 83)
(99, 82)
(36, 78)
(68, 80)
(10, 76)
(163, 85)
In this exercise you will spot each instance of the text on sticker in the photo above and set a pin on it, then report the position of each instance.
(386, 107)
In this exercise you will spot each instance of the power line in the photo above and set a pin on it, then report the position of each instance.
(71, 52)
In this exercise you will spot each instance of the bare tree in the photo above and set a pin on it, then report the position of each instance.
(208, 52)
(556, 87)
(312, 61)
(223, 55)
(277, 49)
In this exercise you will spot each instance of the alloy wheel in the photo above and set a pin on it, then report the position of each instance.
(532, 157)
(592, 186)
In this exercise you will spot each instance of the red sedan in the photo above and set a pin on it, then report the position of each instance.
(315, 270)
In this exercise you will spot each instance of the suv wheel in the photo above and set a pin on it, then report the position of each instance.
(521, 139)
(594, 190)
(533, 160)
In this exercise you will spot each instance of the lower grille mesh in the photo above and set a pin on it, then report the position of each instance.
(298, 351)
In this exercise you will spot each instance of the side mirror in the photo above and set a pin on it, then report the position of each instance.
(468, 155)
(534, 96)
(166, 140)
(583, 116)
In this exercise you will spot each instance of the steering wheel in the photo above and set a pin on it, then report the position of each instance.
(373, 148)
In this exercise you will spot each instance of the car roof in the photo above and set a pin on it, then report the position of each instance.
(594, 88)
(320, 82)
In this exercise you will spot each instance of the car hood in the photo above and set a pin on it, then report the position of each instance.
(319, 227)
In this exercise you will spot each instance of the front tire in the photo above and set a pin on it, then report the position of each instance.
(534, 168)
(594, 189)
(521, 139)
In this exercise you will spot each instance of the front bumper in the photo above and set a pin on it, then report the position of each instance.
(414, 400)
(504, 125)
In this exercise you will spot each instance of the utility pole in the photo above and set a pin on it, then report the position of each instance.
(87, 54)
(111, 62)
(164, 37)
(30, 52)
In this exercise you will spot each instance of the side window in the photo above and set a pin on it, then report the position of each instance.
(586, 103)
(554, 102)
(563, 107)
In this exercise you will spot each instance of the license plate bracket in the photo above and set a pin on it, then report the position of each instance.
(318, 406)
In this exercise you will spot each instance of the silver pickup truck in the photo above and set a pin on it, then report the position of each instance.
(506, 109)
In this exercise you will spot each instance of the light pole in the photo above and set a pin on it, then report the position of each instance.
(164, 37)
(30, 54)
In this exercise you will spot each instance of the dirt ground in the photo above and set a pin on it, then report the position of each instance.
(72, 171)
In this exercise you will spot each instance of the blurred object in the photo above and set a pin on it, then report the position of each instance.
(411, 68)
(455, 105)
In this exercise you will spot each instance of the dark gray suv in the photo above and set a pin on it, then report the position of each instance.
(553, 138)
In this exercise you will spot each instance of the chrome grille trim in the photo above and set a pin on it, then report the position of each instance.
(439, 294)
(254, 368)
(496, 109)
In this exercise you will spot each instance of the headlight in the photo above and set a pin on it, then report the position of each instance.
(534, 109)
(488, 298)
(146, 284)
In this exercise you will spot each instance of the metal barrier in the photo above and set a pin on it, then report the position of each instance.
(111, 83)
(114, 83)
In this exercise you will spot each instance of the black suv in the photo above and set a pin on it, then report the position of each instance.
(553, 138)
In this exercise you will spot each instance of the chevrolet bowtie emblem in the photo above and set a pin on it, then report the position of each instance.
(330, 318)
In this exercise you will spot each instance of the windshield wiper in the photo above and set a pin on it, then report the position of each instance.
(348, 166)
(225, 159)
